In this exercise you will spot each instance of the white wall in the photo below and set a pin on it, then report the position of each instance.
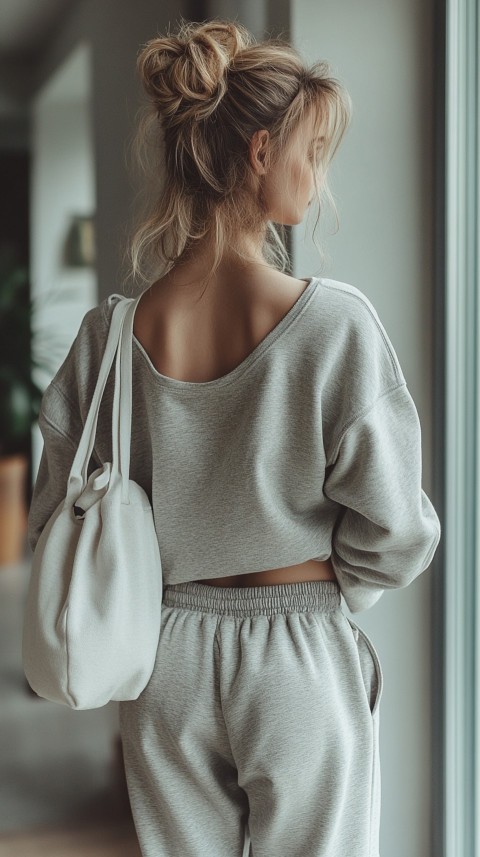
(382, 180)
(63, 178)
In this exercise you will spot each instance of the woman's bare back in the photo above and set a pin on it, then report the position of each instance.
(196, 341)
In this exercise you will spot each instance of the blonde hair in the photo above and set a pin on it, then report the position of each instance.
(210, 86)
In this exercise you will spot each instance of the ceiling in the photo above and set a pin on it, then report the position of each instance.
(26, 25)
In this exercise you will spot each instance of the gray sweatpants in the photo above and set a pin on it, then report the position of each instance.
(258, 732)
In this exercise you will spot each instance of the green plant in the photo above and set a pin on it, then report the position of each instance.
(23, 347)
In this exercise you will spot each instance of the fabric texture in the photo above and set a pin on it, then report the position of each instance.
(309, 448)
(266, 743)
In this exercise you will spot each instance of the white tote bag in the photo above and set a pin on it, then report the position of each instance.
(93, 608)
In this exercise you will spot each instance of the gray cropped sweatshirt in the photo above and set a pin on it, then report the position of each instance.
(310, 448)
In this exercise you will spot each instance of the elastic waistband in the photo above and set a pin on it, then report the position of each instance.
(310, 596)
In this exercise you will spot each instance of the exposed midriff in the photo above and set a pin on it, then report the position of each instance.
(304, 571)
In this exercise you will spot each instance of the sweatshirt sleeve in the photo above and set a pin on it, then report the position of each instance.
(63, 411)
(387, 531)
(51, 482)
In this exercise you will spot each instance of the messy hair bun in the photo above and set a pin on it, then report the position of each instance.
(187, 72)
(210, 86)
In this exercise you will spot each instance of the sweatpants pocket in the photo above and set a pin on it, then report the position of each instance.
(370, 665)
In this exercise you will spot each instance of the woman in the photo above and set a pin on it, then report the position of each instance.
(275, 435)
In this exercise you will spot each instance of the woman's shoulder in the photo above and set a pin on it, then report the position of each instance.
(105, 308)
(352, 303)
(94, 326)
(354, 328)
(74, 377)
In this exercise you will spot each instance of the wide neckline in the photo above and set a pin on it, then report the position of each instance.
(272, 336)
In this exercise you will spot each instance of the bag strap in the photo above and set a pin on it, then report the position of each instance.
(85, 447)
(122, 400)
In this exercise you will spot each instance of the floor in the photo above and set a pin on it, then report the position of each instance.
(80, 841)
(62, 784)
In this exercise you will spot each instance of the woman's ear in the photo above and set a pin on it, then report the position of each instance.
(258, 151)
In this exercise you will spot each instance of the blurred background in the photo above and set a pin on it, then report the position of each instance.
(68, 97)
